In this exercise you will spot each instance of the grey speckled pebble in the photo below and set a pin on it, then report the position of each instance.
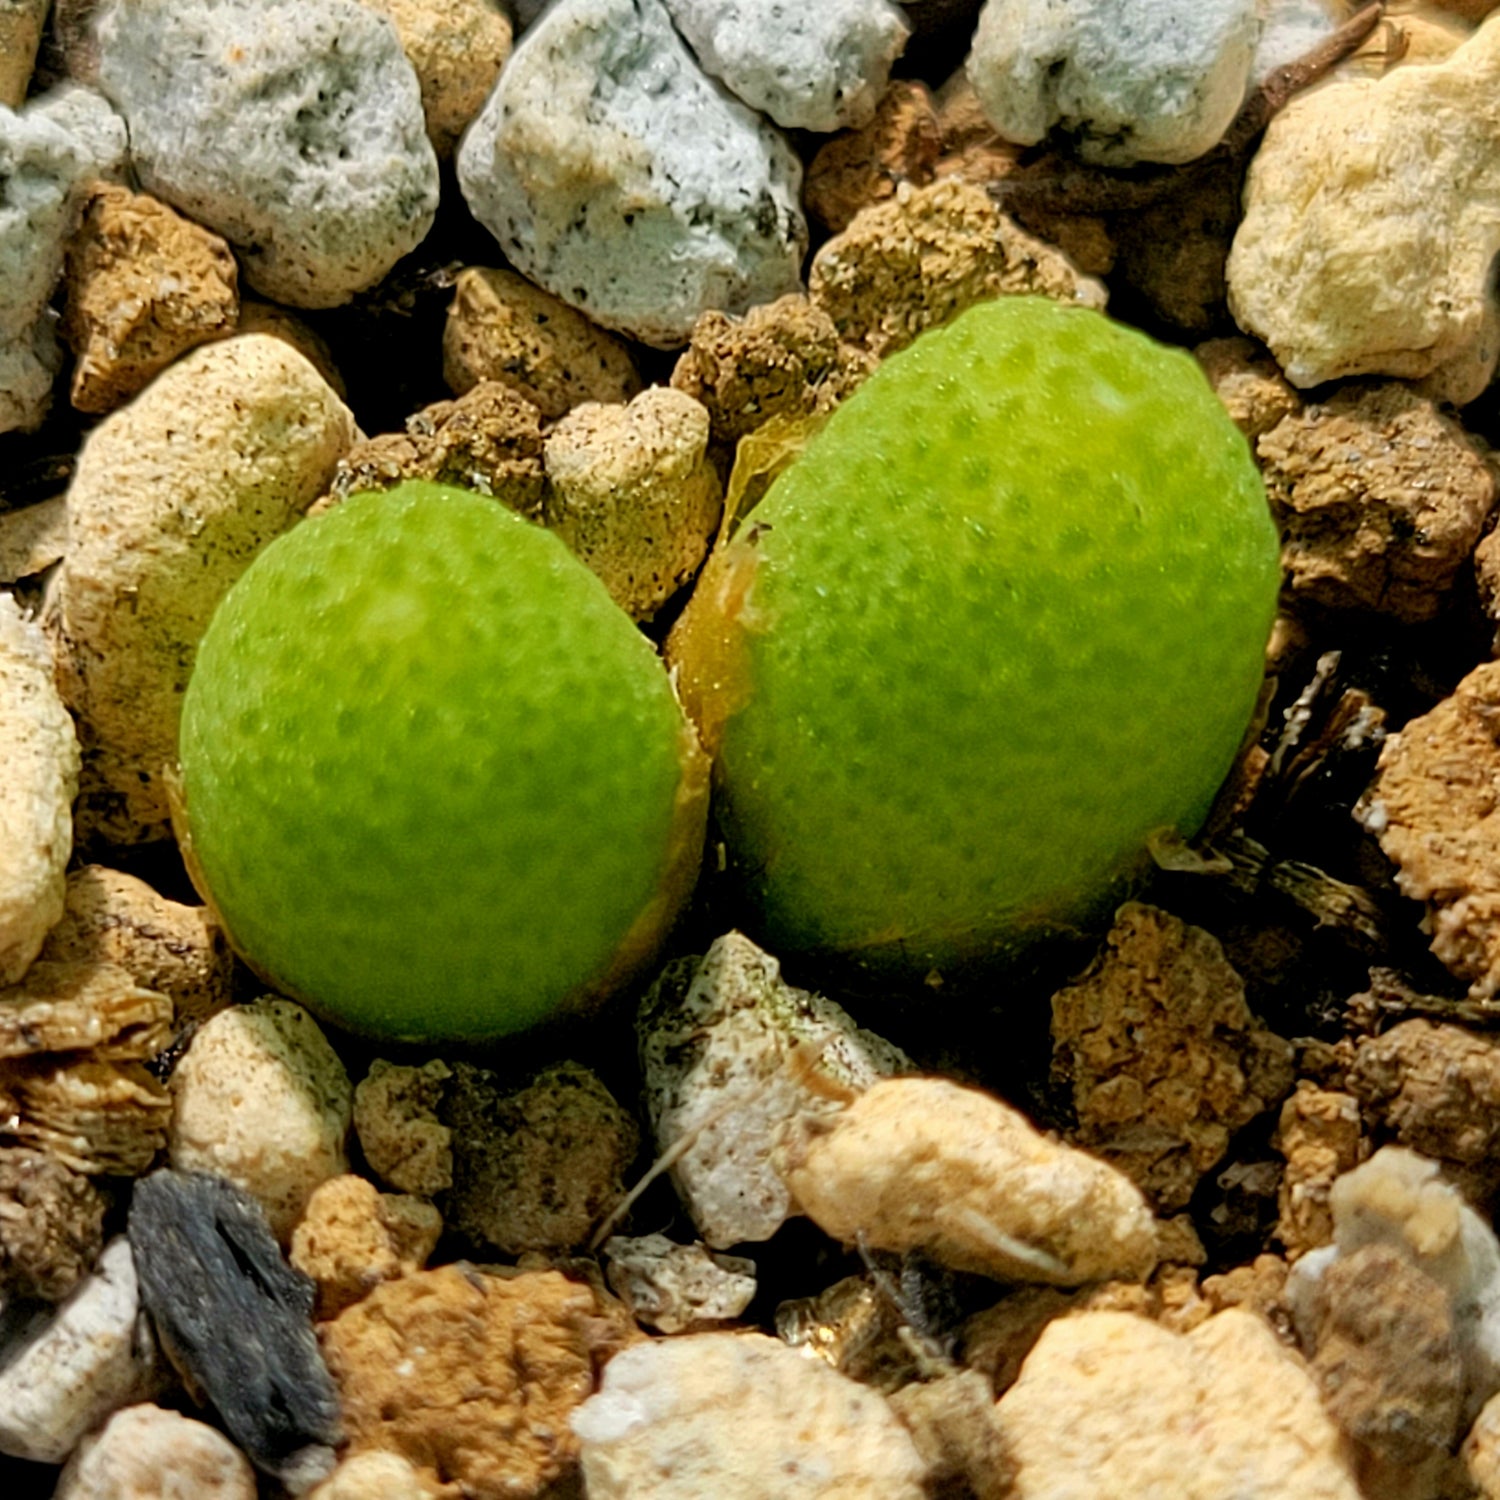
(810, 67)
(620, 178)
(1129, 80)
(293, 127)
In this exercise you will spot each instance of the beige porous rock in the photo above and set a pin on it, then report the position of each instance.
(488, 441)
(633, 494)
(536, 1167)
(1432, 806)
(82, 1005)
(782, 359)
(859, 167)
(1250, 384)
(352, 1237)
(39, 751)
(51, 1225)
(1436, 1088)
(147, 1453)
(922, 1164)
(742, 1415)
(98, 1117)
(21, 23)
(262, 1099)
(504, 328)
(376, 1476)
(456, 48)
(1372, 221)
(396, 1119)
(1321, 1137)
(282, 323)
(180, 951)
(1259, 1287)
(677, 1287)
(144, 285)
(173, 496)
(923, 257)
(1163, 1057)
(1381, 498)
(471, 1377)
(1224, 1410)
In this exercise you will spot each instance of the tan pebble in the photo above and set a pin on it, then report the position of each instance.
(375, 1476)
(21, 23)
(1259, 1286)
(472, 1377)
(1248, 381)
(922, 1164)
(632, 493)
(1481, 1451)
(502, 327)
(82, 1005)
(352, 1237)
(1224, 1410)
(457, 48)
(39, 751)
(262, 1099)
(95, 1116)
(395, 1118)
(160, 525)
(281, 323)
(1321, 1137)
(923, 257)
(144, 285)
(1164, 1059)
(147, 1453)
(51, 1225)
(1381, 498)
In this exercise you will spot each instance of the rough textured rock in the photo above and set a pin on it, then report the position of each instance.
(21, 23)
(730, 1054)
(800, 1430)
(40, 752)
(500, 327)
(633, 494)
(51, 1225)
(263, 1100)
(294, 128)
(179, 951)
(1371, 226)
(1127, 82)
(1224, 1410)
(489, 441)
(90, 119)
(470, 1377)
(783, 359)
(159, 529)
(146, 1453)
(857, 168)
(1319, 1134)
(922, 1164)
(613, 173)
(1247, 380)
(1386, 1358)
(396, 1120)
(923, 257)
(534, 1168)
(675, 1288)
(820, 67)
(353, 1237)
(1163, 1057)
(457, 48)
(235, 1319)
(1432, 807)
(94, 1357)
(1436, 1089)
(143, 286)
(1381, 498)
(82, 1006)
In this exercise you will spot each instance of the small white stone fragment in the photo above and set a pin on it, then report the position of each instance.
(39, 752)
(173, 496)
(147, 1453)
(1128, 80)
(1223, 1411)
(810, 67)
(676, 1287)
(262, 1099)
(1291, 28)
(95, 1356)
(617, 176)
(730, 1054)
(923, 1164)
(1372, 223)
(292, 127)
(741, 1415)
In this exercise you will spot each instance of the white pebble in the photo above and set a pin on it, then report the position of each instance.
(147, 1453)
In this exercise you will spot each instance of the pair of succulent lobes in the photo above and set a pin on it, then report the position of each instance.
(1000, 622)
